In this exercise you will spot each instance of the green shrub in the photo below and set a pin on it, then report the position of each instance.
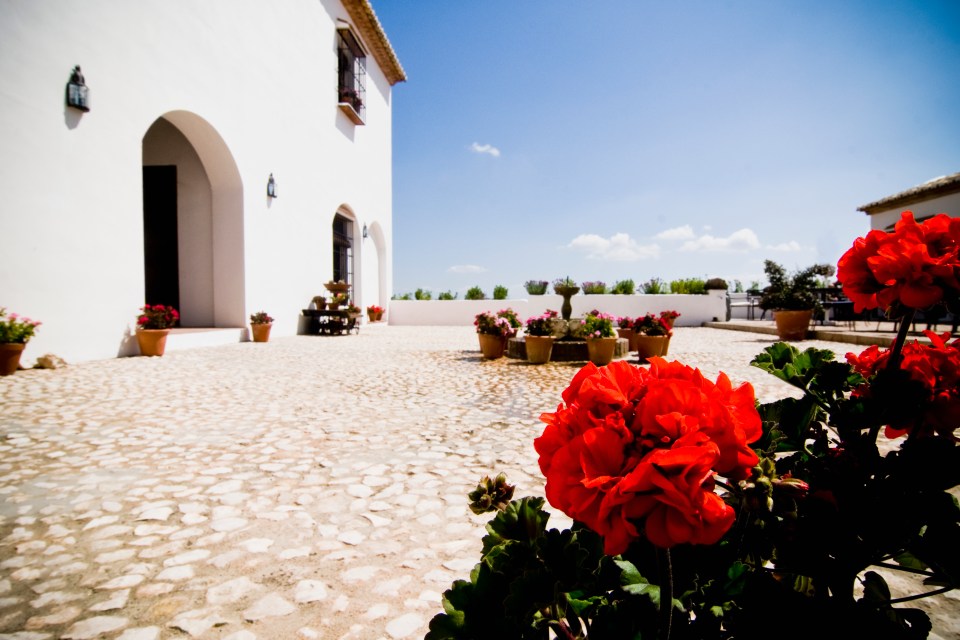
(499, 292)
(624, 287)
(421, 294)
(654, 286)
(737, 286)
(688, 285)
(447, 295)
(715, 283)
(475, 293)
(402, 296)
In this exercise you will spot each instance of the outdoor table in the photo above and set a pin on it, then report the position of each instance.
(331, 322)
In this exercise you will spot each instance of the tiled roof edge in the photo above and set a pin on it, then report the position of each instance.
(937, 186)
(367, 23)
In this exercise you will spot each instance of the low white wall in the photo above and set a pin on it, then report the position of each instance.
(694, 309)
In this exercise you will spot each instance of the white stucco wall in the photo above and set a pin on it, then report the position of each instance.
(694, 309)
(949, 204)
(253, 88)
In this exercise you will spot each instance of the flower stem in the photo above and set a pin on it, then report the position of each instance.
(895, 356)
(896, 352)
(666, 599)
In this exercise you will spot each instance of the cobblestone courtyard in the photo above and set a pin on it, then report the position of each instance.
(309, 487)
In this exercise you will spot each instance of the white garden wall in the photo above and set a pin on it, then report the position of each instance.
(694, 309)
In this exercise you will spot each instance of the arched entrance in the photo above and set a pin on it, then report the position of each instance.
(379, 294)
(193, 222)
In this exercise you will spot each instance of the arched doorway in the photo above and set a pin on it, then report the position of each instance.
(193, 222)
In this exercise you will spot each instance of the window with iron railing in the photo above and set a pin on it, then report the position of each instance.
(351, 76)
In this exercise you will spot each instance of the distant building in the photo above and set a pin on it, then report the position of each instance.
(940, 195)
(157, 184)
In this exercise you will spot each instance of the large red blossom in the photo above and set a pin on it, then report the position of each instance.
(634, 450)
(936, 366)
(916, 265)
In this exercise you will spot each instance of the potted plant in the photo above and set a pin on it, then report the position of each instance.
(792, 298)
(625, 331)
(374, 313)
(338, 299)
(320, 302)
(668, 317)
(600, 336)
(536, 287)
(493, 330)
(652, 335)
(153, 326)
(567, 288)
(594, 287)
(260, 324)
(337, 287)
(539, 337)
(15, 333)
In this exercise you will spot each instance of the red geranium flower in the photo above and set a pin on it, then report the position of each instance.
(916, 265)
(633, 449)
(936, 367)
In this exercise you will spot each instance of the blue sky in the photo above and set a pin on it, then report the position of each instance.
(637, 139)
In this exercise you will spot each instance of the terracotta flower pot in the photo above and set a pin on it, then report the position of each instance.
(629, 335)
(152, 342)
(379, 316)
(650, 346)
(10, 353)
(372, 316)
(538, 348)
(601, 350)
(792, 325)
(261, 331)
(491, 346)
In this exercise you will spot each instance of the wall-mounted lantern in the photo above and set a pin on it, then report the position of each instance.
(271, 187)
(78, 95)
(365, 233)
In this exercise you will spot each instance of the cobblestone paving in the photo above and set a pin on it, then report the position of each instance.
(308, 487)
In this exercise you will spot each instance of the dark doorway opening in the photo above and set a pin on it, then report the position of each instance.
(342, 250)
(161, 258)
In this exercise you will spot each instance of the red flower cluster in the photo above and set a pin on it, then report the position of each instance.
(633, 448)
(157, 316)
(916, 265)
(936, 367)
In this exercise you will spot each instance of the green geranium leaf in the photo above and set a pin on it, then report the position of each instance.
(632, 582)
(910, 561)
(450, 623)
(523, 520)
(787, 423)
(791, 365)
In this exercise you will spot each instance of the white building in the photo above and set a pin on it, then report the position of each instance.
(158, 193)
(939, 195)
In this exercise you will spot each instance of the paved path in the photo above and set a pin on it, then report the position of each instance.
(308, 487)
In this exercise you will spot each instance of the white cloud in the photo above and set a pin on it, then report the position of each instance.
(489, 149)
(677, 233)
(791, 246)
(617, 248)
(467, 268)
(741, 240)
